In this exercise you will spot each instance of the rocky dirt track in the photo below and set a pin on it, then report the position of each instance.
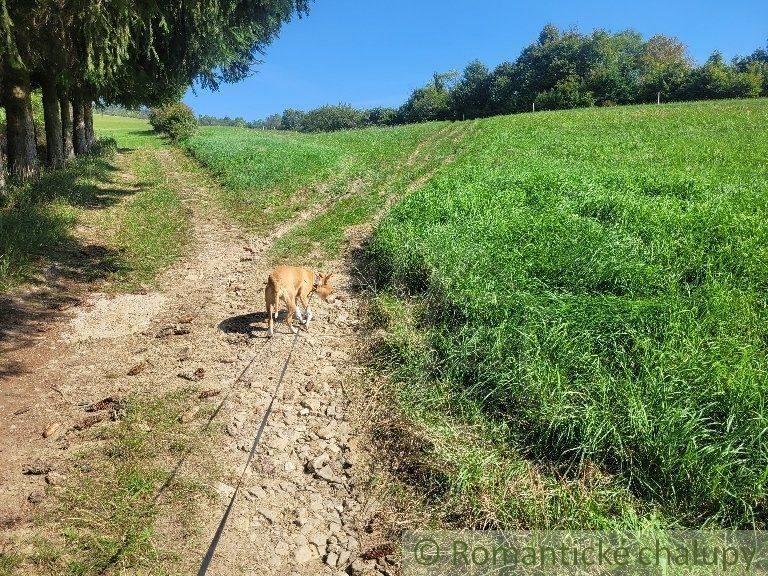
(307, 504)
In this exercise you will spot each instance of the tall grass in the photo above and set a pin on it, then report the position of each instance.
(594, 282)
(341, 178)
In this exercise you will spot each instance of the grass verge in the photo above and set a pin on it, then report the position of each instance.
(111, 220)
(123, 499)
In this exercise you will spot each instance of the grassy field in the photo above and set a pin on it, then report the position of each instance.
(589, 288)
(130, 211)
(335, 180)
(573, 304)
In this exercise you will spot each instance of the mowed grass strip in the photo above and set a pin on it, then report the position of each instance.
(386, 163)
(130, 217)
(591, 286)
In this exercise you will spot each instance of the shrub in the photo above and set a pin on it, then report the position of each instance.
(175, 120)
(380, 117)
(331, 118)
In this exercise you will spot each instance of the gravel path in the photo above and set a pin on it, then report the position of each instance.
(306, 506)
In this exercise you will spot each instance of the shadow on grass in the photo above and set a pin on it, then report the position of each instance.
(37, 246)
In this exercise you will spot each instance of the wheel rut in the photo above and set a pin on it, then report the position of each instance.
(307, 504)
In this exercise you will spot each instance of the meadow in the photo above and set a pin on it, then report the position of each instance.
(591, 287)
(571, 305)
(333, 180)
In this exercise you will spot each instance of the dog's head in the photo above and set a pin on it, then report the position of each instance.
(324, 288)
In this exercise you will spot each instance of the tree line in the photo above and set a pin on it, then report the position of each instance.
(562, 69)
(127, 54)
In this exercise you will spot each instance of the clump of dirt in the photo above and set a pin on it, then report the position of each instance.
(114, 317)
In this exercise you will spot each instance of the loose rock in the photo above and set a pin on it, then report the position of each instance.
(36, 468)
(302, 554)
(189, 415)
(86, 423)
(36, 497)
(51, 430)
(138, 369)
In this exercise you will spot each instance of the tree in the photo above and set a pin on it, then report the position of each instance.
(16, 31)
(664, 68)
(716, 79)
(124, 53)
(470, 97)
(273, 122)
(756, 63)
(611, 66)
(331, 118)
(380, 117)
(504, 90)
(556, 58)
(292, 119)
(566, 93)
(431, 102)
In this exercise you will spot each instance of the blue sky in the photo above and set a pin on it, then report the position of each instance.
(373, 53)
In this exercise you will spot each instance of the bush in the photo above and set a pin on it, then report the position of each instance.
(380, 117)
(331, 118)
(176, 120)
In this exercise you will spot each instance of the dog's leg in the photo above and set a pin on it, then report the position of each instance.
(271, 303)
(290, 316)
(299, 313)
(307, 309)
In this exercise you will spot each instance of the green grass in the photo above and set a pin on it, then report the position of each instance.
(106, 518)
(152, 227)
(9, 563)
(588, 292)
(131, 210)
(341, 179)
(129, 133)
(36, 220)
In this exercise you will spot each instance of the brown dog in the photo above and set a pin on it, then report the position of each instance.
(293, 285)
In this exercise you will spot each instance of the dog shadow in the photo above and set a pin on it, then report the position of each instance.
(247, 324)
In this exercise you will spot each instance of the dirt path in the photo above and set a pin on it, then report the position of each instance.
(306, 506)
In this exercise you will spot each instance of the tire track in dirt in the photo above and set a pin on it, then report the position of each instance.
(306, 507)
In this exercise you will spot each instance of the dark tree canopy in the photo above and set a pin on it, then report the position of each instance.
(121, 53)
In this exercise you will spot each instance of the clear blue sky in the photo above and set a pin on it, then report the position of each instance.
(373, 53)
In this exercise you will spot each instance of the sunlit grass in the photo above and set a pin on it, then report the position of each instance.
(594, 284)
(130, 213)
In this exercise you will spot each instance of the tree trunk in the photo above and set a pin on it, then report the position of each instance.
(20, 131)
(68, 147)
(2, 177)
(90, 137)
(78, 124)
(54, 150)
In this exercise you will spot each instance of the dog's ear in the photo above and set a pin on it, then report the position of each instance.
(327, 278)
